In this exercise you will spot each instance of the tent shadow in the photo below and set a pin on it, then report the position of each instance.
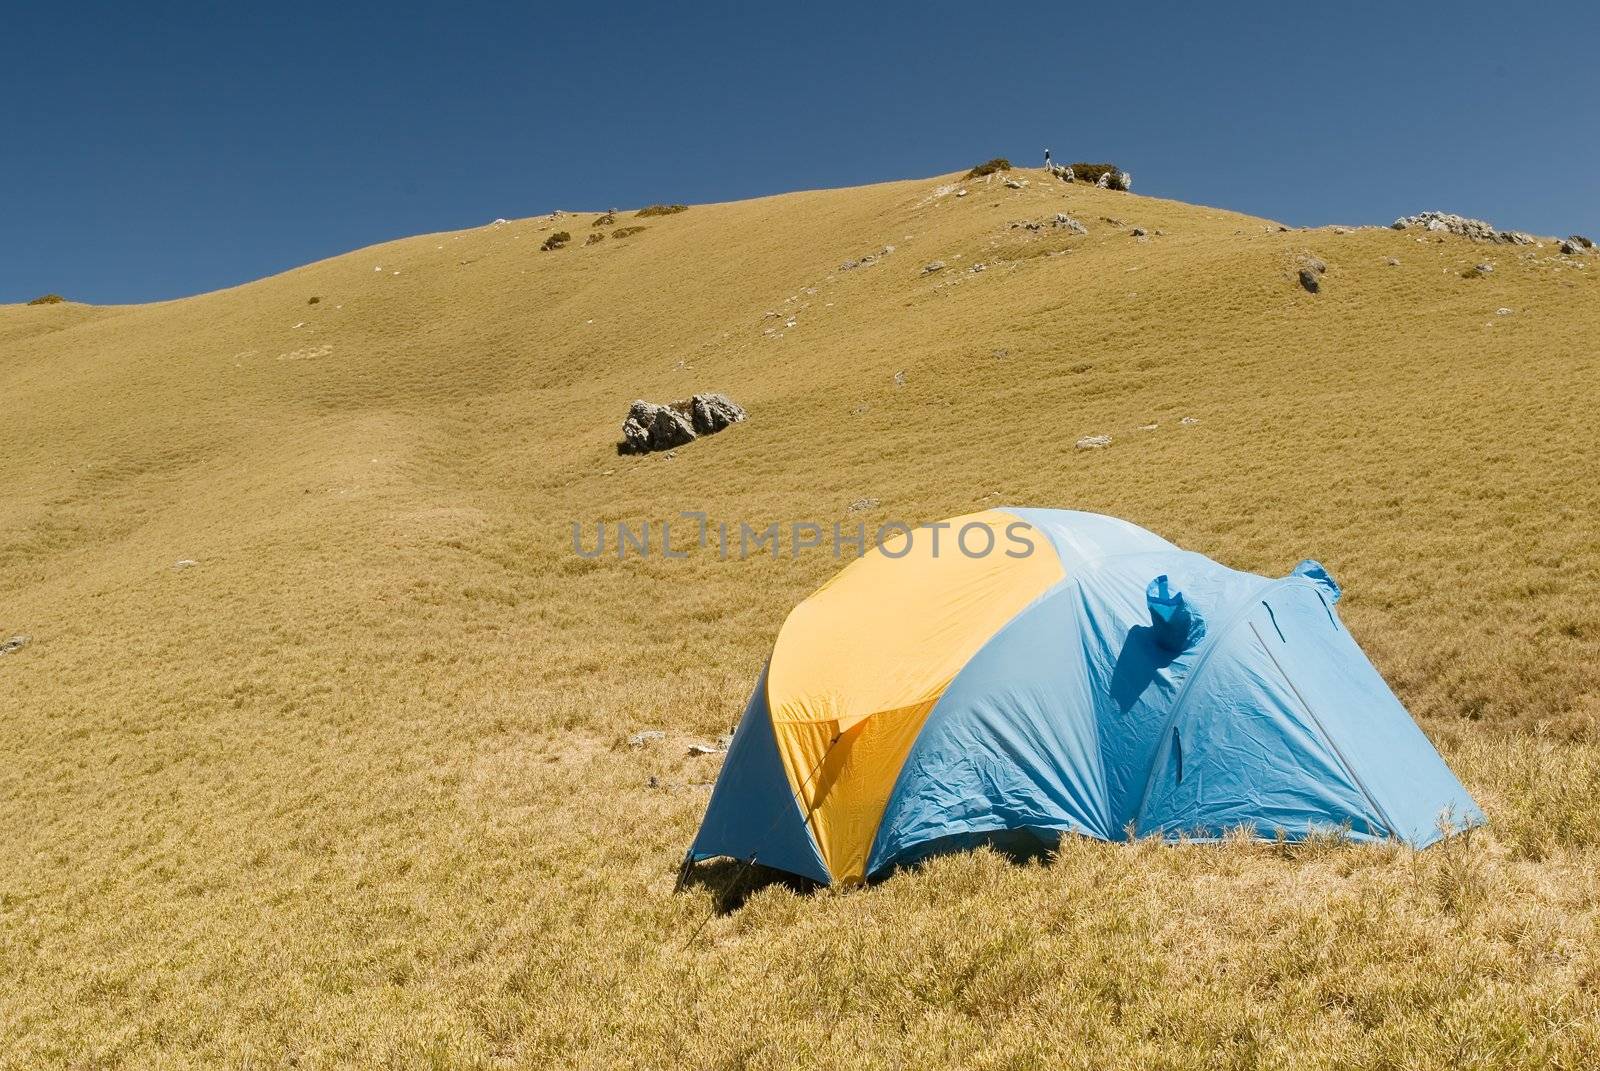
(1020, 847)
(1142, 658)
(732, 882)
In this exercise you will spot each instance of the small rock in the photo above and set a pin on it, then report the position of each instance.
(961, 193)
(1308, 279)
(1016, 184)
(861, 505)
(1393, 262)
(932, 266)
(1189, 421)
(1139, 232)
(850, 265)
(1068, 223)
(1502, 311)
(705, 749)
(184, 563)
(15, 643)
(1314, 264)
(646, 736)
(899, 379)
(654, 782)
(1149, 427)
(1094, 442)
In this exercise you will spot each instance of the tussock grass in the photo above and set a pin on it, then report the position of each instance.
(989, 167)
(1091, 173)
(627, 232)
(353, 789)
(47, 299)
(661, 210)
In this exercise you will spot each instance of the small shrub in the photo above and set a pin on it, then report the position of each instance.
(1091, 173)
(47, 299)
(556, 241)
(593, 238)
(661, 210)
(989, 167)
(313, 300)
(626, 232)
(606, 220)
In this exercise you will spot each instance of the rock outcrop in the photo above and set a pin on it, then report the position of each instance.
(651, 427)
(1476, 229)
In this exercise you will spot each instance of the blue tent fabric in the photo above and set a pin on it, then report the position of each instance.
(754, 813)
(1151, 691)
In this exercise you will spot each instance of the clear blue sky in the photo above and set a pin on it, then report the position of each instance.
(152, 150)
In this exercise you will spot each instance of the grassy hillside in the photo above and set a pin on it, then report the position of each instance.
(353, 788)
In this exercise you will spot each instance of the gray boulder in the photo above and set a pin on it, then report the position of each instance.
(711, 413)
(650, 427)
(654, 427)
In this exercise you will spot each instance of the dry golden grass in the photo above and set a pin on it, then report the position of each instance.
(352, 789)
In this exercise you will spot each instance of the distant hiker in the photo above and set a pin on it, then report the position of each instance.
(1047, 166)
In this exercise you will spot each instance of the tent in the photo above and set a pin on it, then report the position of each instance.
(1029, 673)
